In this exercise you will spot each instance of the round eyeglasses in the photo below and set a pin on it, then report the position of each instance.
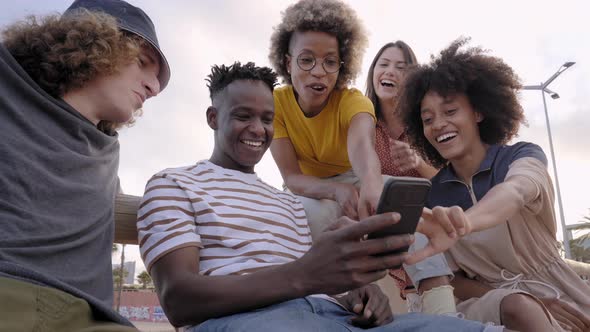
(331, 63)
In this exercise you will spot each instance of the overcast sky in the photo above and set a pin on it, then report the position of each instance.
(534, 37)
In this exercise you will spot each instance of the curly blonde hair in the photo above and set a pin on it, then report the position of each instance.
(330, 16)
(62, 53)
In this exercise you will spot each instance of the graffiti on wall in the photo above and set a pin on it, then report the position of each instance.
(143, 313)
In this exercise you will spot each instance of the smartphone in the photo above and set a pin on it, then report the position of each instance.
(406, 196)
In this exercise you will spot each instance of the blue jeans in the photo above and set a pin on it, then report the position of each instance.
(433, 266)
(316, 314)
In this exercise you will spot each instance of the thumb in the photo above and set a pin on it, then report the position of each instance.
(358, 308)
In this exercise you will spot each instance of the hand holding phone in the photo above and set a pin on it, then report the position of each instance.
(406, 196)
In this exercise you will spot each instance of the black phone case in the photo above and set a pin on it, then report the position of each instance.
(407, 196)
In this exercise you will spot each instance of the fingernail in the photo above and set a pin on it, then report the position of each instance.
(357, 308)
(411, 238)
(453, 235)
(368, 314)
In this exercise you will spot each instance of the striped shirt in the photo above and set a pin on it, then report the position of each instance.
(240, 223)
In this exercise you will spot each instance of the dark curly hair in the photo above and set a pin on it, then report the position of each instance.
(490, 85)
(411, 62)
(222, 76)
(330, 16)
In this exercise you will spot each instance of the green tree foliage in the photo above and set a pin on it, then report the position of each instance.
(117, 278)
(144, 279)
(579, 246)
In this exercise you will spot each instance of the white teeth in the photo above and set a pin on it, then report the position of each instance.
(252, 143)
(445, 137)
(387, 83)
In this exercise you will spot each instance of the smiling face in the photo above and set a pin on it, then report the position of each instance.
(388, 74)
(312, 88)
(114, 98)
(242, 119)
(451, 125)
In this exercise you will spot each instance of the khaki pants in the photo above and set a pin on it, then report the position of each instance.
(26, 307)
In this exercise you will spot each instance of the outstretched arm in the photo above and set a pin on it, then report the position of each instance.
(285, 157)
(365, 162)
(443, 226)
(502, 202)
(337, 262)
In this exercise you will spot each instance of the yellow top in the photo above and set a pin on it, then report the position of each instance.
(320, 141)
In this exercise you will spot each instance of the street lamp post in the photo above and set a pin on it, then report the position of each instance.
(543, 88)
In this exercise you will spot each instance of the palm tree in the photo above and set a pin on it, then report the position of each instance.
(122, 276)
(144, 279)
(117, 277)
(580, 250)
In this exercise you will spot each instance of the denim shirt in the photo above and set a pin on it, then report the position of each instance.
(448, 189)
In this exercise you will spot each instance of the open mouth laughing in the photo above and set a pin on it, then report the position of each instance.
(446, 137)
(387, 83)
